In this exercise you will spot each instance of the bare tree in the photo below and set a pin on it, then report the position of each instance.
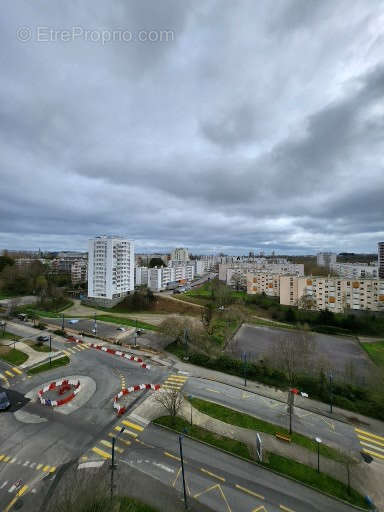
(293, 353)
(170, 399)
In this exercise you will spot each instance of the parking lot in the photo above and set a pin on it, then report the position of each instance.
(85, 325)
(342, 354)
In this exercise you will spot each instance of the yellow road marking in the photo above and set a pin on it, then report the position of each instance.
(258, 509)
(53, 469)
(128, 432)
(17, 370)
(178, 377)
(46, 469)
(372, 446)
(364, 432)
(6, 459)
(213, 391)
(132, 425)
(329, 423)
(39, 466)
(107, 443)
(374, 454)
(212, 474)
(248, 491)
(177, 476)
(1, 457)
(66, 353)
(104, 454)
(286, 509)
(171, 456)
(12, 460)
(84, 457)
(365, 438)
(216, 486)
(9, 373)
(175, 379)
(19, 493)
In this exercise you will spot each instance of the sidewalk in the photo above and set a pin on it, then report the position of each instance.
(34, 356)
(276, 394)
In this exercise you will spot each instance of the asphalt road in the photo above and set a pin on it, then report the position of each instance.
(59, 438)
(332, 432)
(35, 452)
(340, 353)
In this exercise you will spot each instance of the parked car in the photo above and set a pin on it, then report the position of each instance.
(23, 317)
(43, 338)
(4, 401)
(121, 328)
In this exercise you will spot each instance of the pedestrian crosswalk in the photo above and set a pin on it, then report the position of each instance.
(8, 459)
(125, 433)
(10, 373)
(77, 348)
(372, 444)
(175, 382)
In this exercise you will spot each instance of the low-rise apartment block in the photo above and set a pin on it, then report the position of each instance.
(326, 259)
(263, 283)
(355, 270)
(337, 295)
(283, 268)
(79, 271)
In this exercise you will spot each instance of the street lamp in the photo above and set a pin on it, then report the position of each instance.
(245, 368)
(113, 466)
(182, 471)
(318, 441)
(331, 391)
(190, 397)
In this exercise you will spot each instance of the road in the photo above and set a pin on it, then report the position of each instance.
(33, 452)
(335, 433)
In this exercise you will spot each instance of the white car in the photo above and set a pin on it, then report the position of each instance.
(121, 328)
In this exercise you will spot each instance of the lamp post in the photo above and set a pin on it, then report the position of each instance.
(50, 350)
(245, 368)
(318, 441)
(62, 323)
(331, 392)
(190, 397)
(113, 466)
(95, 325)
(182, 471)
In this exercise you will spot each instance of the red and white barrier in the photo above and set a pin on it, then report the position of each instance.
(55, 385)
(139, 387)
(120, 354)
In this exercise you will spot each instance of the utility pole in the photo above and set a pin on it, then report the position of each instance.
(50, 350)
(113, 466)
(186, 343)
(331, 392)
(62, 323)
(291, 397)
(182, 471)
(245, 368)
(135, 331)
(95, 325)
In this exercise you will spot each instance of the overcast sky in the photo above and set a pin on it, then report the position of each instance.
(241, 125)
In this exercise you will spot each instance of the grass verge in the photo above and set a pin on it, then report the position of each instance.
(376, 352)
(246, 421)
(126, 321)
(285, 466)
(131, 505)
(9, 336)
(56, 363)
(41, 348)
(13, 356)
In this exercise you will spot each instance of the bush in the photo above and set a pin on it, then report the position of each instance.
(60, 332)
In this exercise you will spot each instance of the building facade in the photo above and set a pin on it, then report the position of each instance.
(111, 268)
(333, 293)
(381, 259)
(180, 254)
(263, 283)
(79, 271)
(326, 259)
(355, 270)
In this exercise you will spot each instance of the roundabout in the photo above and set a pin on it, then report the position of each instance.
(59, 392)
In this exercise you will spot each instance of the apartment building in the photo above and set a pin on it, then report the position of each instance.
(263, 283)
(180, 254)
(111, 267)
(282, 268)
(325, 259)
(79, 271)
(158, 278)
(141, 276)
(381, 259)
(355, 270)
(333, 293)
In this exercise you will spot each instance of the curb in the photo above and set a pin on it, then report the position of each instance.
(263, 467)
(139, 387)
(59, 355)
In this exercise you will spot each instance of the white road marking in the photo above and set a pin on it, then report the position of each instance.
(163, 466)
(92, 464)
(3, 484)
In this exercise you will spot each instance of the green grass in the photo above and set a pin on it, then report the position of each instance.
(179, 425)
(375, 352)
(131, 505)
(14, 356)
(126, 321)
(246, 421)
(283, 465)
(310, 476)
(8, 336)
(41, 348)
(56, 363)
